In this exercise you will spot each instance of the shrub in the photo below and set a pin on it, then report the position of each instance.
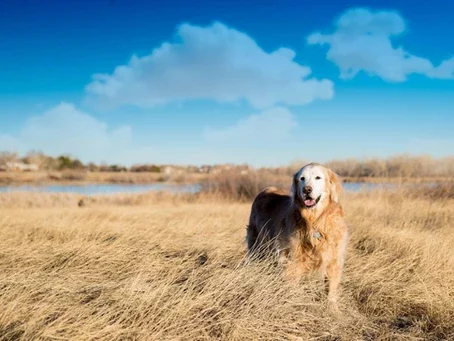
(117, 168)
(66, 162)
(146, 168)
(92, 167)
(236, 185)
(7, 157)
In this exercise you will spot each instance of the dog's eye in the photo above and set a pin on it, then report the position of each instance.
(303, 178)
(317, 178)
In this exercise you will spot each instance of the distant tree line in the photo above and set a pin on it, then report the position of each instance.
(67, 162)
(396, 166)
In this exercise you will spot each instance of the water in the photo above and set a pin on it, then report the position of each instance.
(364, 186)
(93, 189)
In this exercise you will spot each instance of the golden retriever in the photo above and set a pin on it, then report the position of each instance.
(306, 228)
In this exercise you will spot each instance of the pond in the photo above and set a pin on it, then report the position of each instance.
(93, 189)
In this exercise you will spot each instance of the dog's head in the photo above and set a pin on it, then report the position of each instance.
(315, 186)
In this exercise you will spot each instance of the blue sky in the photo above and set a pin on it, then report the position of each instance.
(198, 82)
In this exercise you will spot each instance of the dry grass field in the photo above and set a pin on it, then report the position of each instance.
(166, 267)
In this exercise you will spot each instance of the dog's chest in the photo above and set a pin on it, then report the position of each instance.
(310, 245)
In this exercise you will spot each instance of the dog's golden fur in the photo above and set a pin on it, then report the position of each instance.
(305, 239)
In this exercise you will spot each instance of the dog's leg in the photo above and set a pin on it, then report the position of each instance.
(282, 255)
(333, 278)
(251, 238)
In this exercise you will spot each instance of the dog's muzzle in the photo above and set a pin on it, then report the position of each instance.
(309, 202)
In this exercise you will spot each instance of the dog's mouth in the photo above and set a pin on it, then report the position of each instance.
(309, 202)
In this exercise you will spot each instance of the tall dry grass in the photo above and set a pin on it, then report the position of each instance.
(399, 166)
(240, 186)
(165, 267)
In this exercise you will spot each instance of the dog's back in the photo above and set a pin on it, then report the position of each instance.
(266, 220)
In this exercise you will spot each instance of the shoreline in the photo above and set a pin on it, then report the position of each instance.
(146, 178)
(92, 178)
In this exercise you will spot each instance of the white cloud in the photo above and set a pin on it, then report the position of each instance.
(362, 41)
(270, 125)
(214, 62)
(65, 129)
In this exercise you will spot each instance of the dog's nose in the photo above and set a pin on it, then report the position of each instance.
(307, 189)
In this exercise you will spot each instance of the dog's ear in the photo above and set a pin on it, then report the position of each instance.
(335, 186)
(294, 191)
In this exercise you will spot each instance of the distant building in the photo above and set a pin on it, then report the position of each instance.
(205, 169)
(168, 170)
(21, 167)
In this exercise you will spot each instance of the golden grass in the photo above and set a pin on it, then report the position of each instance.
(164, 267)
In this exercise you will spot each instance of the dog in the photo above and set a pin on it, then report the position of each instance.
(306, 228)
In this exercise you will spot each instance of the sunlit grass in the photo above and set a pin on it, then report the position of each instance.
(165, 267)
